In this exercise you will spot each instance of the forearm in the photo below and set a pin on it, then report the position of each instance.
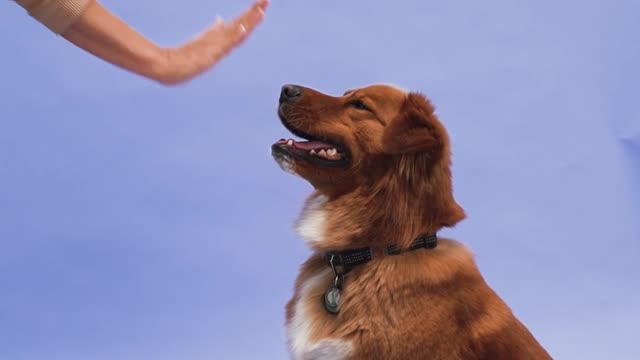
(103, 34)
(88, 25)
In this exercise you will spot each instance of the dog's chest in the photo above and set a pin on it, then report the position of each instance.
(303, 325)
(311, 225)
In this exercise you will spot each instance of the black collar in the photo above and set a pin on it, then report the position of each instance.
(348, 259)
(342, 262)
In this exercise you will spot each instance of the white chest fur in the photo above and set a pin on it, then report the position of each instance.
(300, 327)
(312, 223)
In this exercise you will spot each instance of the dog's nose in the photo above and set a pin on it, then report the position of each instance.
(289, 92)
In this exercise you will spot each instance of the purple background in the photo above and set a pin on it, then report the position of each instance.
(143, 222)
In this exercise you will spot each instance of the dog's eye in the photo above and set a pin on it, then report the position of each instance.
(358, 104)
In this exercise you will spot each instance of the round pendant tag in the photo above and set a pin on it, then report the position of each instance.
(332, 300)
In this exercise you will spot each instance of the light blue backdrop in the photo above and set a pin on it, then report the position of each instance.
(142, 222)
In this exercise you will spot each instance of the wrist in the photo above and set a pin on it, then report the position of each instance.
(155, 65)
(167, 68)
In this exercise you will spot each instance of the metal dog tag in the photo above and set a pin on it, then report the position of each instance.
(332, 300)
(332, 296)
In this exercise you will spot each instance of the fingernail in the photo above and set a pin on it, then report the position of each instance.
(243, 29)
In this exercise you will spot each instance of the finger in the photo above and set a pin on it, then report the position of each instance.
(255, 14)
(262, 5)
(239, 28)
(218, 23)
(248, 21)
(215, 29)
(237, 31)
(220, 38)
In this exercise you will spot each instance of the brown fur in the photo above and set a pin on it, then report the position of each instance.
(424, 304)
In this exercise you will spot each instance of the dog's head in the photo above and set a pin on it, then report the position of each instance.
(374, 137)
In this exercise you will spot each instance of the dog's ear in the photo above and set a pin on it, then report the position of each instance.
(415, 129)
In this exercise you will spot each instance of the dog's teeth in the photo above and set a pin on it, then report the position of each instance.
(322, 153)
(290, 142)
(332, 152)
(312, 152)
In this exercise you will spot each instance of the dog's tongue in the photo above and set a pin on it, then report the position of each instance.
(311, 145)
(307, 145)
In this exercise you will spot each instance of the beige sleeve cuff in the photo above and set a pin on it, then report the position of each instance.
(57, 15)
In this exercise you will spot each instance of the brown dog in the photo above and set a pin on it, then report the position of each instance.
(380, 285)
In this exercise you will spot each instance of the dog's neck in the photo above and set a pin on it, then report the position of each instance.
(381, 215)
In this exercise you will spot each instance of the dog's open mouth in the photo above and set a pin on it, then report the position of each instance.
(316, 150)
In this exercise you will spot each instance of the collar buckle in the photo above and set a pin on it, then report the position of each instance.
(337, 267)
(336, 261)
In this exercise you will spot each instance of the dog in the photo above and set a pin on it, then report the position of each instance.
(380, 283)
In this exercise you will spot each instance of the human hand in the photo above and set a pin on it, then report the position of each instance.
(183, 63)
